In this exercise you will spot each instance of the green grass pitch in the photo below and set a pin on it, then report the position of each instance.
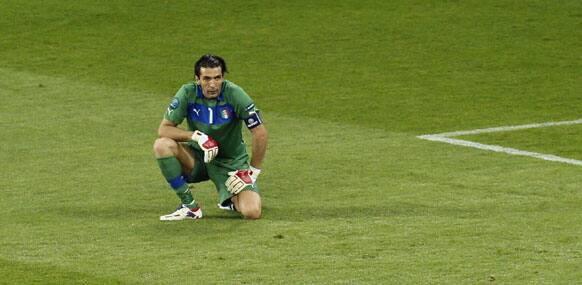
(350, 194)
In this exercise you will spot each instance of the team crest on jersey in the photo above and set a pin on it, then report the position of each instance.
(225, 114)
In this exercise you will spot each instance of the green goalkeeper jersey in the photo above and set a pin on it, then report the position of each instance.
(220, 118)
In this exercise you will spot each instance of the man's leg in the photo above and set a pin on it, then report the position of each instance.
(248, 203)
(174, 160)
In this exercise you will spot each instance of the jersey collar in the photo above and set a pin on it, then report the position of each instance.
(220, 97)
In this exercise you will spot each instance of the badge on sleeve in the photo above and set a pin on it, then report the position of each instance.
(175, 103)
(253, 120)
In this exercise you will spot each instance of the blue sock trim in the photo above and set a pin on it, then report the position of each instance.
(177, 182)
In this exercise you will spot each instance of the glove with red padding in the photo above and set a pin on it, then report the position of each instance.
(241, 179)
(207, 144)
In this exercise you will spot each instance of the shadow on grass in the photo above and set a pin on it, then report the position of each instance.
(388, 210)
(135, 214)
(129, 212)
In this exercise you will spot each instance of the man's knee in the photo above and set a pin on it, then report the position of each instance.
(251, 213)
(165, 147)
(248, 203)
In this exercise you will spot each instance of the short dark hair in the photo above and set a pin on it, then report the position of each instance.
(210, 60)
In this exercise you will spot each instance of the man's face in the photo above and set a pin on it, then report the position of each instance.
(210, 80)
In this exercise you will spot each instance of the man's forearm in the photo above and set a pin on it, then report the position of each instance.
(259, 148)
(175, 133)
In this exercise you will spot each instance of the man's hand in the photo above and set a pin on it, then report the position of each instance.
(207, 144)
(241, 179)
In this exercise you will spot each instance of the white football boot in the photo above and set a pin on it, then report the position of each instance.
(183, 213)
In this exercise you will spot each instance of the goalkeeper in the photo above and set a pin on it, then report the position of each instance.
(212, 147)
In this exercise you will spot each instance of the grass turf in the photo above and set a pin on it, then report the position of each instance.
(350, 194)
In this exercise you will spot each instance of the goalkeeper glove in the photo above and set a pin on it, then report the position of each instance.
(207, 144)
(241, 179)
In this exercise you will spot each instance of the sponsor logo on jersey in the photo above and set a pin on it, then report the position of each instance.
(211, 115)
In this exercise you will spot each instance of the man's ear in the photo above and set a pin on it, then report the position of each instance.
(197, 79)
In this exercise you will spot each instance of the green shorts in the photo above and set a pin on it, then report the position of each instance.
(217, 171)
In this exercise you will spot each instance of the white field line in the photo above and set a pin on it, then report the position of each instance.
(446, 138)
